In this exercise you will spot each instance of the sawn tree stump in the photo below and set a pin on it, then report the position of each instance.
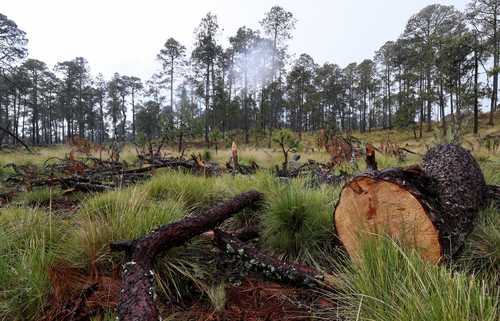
(432, 208)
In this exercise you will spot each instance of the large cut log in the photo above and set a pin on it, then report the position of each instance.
(137, 295)
(432, 208)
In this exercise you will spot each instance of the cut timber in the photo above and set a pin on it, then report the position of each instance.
(388, 202)
(430, 209)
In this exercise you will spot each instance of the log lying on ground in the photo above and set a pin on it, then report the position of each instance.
(431, 209)
(250, 259)
(137, 296)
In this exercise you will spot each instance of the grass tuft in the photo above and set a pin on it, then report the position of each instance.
(27, 240)
(298, 220)
(38, 197)
(482, 248)
(390, 283)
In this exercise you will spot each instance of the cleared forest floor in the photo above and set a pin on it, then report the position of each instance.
(55, 262)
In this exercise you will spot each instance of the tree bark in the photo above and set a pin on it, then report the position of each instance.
(249, 259)
(137, 296)
(432, 208)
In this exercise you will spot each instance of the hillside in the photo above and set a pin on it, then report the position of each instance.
(56, 263)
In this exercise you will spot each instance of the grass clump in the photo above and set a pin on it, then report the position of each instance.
(118, 215)
(38, 197)
(299, 220)
(390, 283)
(129, 214)
(191, 189)
(482, 248)
(27, 241)
(217, 297)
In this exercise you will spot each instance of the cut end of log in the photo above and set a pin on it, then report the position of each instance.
(369, 205)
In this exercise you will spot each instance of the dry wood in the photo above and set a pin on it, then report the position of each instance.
(137, 296)
(17, 139)
(249, 259)
(371, 163)
(432, 209)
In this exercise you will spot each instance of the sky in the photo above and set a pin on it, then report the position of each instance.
(125, 35)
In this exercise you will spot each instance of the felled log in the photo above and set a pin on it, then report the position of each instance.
(250, 259)
(432, 208)
(86, 187)
(137, 295)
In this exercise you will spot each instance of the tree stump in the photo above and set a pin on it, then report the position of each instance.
(431, 209)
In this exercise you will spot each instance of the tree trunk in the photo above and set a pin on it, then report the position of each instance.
(494, 94)
(431, 208)
(207, 103)
(476, 92)
(442, 107)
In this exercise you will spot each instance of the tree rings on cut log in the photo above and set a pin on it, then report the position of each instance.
(387, 203)
(432, 210)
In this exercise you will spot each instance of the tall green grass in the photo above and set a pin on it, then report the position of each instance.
(129, 214)
(390, 283)
(118, 215)
(192, 190)
(298, 221)
(27, 241)
(481, 254)
(38, 197)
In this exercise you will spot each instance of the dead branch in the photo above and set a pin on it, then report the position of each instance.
(137, 295)
(17, 139)
(251, 259)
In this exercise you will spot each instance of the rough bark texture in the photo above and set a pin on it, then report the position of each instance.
(462, 190)
(249, 259)
(137, 296)
(450, 190)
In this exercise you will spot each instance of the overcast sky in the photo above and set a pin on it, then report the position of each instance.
(125, 35)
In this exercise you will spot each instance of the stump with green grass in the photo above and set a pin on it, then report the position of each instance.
(431, 208)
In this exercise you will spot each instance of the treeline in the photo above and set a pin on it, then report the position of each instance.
(443, 66)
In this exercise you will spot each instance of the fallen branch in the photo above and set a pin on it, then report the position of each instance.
(137, 295)
(17, 139)
(253, 260)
